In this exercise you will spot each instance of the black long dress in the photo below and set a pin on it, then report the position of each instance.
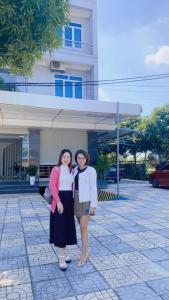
(62, 226)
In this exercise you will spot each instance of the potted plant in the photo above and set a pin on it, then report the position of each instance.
(31, 171)
(101, 166)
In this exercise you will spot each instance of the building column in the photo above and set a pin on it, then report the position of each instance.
(92, 146)
(34, 147)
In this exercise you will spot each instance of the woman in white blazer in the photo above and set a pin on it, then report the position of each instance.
(85, 195)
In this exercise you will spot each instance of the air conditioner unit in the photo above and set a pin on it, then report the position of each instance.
(57, 66)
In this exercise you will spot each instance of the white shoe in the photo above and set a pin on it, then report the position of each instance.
(62, 263)
(68, 259)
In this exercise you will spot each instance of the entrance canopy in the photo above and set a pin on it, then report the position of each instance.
(45, 111)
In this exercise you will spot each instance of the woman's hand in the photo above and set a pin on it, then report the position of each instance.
(60, 207)
(92, 211)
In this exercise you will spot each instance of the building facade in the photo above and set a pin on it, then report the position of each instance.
(58, 106)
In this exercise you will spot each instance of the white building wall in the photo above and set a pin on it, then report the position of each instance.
(81, 62)
(43, 74)
(53, 141)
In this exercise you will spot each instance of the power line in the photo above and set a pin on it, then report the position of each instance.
(109, 82)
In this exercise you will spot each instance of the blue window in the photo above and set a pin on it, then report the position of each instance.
(78, 38)
(75, 25)
(69, 89)
(68, 86)
(68, 36)
(61, 76)
(59, 88)
(73, 35)
(78, 90)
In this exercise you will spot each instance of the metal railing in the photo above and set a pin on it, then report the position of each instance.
(79, 46)
(45, 171)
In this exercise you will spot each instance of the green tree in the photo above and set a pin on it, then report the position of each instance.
(157, 129)
(104, 162)
(28, 29)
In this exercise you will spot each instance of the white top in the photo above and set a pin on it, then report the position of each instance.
(66, 179)
(87, 186)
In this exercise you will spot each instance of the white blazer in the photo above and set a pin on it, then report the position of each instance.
(87, 186)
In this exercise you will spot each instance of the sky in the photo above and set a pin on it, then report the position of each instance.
(133, 40)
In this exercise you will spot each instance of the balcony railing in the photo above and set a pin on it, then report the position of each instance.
(78, 46)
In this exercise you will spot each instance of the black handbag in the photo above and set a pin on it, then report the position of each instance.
(47, 195)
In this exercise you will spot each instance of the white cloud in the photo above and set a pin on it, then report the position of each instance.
(160, 57)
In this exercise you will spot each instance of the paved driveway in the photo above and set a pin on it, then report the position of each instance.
(129, 250)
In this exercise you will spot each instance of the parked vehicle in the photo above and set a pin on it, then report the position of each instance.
(111, 175)
(160, 177)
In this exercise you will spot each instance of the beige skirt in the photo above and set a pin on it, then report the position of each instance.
(80, 209)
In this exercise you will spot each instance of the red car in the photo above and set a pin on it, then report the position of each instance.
(160, 177)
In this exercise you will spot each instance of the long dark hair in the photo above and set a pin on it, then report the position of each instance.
(62, 152)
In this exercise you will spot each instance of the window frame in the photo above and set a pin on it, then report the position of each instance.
(70, 77)
(73, 26)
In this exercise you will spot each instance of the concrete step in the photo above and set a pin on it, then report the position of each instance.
(15, 188)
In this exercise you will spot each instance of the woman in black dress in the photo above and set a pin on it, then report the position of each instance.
(62, 223)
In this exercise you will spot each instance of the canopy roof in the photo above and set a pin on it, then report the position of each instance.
(45, 111)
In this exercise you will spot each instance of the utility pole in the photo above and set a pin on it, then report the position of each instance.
(117, 123)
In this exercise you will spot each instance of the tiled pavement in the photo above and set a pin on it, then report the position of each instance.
(128, 242)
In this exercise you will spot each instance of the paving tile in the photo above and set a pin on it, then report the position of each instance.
(97, 230)
(14, 277)
(155, 238)
(59, 288)
(12, 252)
(137, 228)
(46, 272)
(109, 240)
(141, 244)
(17, 292)
(42, 258)
(163, 232)
(85, 283)
(14, 225)
(123, 244)
(115, 244)
(42, 239)
(12, 242)
(120, 277)
(12, 236)
(9, 219)
(12, 230)
(129, 237)
(132, 258)
(40, 249)
(164, 264)
(73, 269)
(106, 262)
(150, 271)
(98, 251)
(69, 298)
(95, 247)
(161, 287)
(119, 230)
(34, 233)
(104, 294)
(13, 263)
(137, 292)
(156, 254)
